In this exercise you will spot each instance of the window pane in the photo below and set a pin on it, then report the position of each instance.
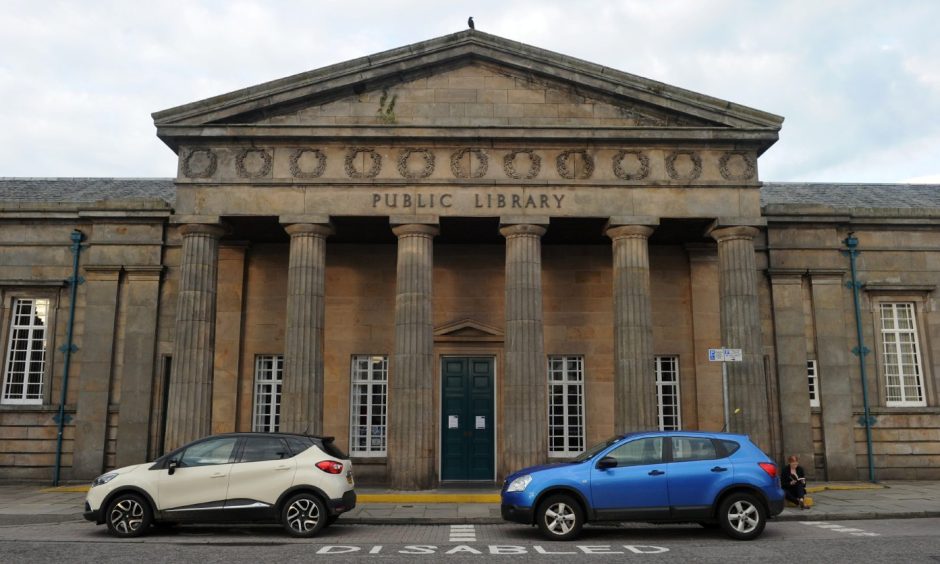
(565, 405)
(26, 351)
(901, 361)
(667, 393)
(368, 398)
(642, 451)
(213, 451)
(269, 372)
(259, 449)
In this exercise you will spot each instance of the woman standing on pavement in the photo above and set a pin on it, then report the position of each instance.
(794, 481)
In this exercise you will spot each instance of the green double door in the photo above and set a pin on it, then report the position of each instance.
(467, 424)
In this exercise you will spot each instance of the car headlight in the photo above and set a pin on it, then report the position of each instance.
(104, 479)
(519, 484)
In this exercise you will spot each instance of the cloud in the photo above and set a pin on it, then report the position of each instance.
(857, 82)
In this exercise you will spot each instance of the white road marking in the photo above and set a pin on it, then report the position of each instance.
(463, 533)
(840, 529)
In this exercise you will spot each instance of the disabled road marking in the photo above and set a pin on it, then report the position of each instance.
(463, 533)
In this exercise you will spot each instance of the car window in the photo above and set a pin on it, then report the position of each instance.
(640, 451)
(213, 451)
(298, 445)
(730, 447)
(257, 449)
(589, 453)
(692, 448)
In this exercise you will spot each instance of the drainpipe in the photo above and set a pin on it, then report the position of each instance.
(851, 243)
(68, 348)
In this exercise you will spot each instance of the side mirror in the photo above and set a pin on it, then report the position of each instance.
(606, 462)
(172, 466)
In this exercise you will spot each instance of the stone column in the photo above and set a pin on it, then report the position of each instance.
(634, 377)
(96, 354)
(302, 389)
(411, 420)
(835, 374)
(525, 382)
(790, 332)
(140, 341)
(189, 411)
(741, 329)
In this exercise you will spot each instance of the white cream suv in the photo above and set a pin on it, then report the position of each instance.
(302, 482)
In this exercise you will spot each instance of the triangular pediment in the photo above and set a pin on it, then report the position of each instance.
(467, 79)
(467, 330)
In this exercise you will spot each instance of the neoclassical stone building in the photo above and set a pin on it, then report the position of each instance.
(460, 257)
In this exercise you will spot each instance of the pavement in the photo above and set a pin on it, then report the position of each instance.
(36, 503)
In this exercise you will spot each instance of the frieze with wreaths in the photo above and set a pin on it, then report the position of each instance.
(566, 171)
(456, 163)
(371, 171)
(509, 164)
(242, 170)
(424, 172)
(675, 174)
(640, 173)
(210, 165)
(725, 162)
(317, 171)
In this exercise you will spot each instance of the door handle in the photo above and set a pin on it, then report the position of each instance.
(719, 469)
(656, 472)
(218, 475)
(283, 468)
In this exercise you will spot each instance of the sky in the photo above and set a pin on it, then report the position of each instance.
(857, 81)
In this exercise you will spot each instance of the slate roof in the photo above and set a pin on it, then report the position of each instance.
(89, 190)
(85, 190)
(851, 195)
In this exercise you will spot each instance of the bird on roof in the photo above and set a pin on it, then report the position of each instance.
(470, 22)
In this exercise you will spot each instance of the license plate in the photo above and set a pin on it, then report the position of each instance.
(349, 478)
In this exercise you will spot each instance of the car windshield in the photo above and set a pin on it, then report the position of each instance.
(589, 453)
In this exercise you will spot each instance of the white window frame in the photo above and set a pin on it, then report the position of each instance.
(667, 389)
(908, 374)
(812, 378)
(29, 377)
(373, 376)
(266, 408)
(566, 372)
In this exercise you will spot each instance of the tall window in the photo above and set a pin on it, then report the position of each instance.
(667, 393)
(368, 413)
(26, 352)
(901, 360)
(565, 405)
(269, 372)
(813, 380)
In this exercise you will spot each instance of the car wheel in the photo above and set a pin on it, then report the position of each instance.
(304, 515)
(128, 515)
(560, 518)
(742, 516)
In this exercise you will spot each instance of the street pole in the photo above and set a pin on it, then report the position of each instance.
(724, 392)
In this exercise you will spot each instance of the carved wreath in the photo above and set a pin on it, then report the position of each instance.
(372, 171)
(509, 164)
(561, 163)
(317, 171)
(243, 172)
(671, 165)
(210, 165)
(403, 163)
(750, 167)
(639, 174)
(456, 164)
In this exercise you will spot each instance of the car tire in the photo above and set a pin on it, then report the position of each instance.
(560, 518)
(304, 515)
(742, 516)
(128, 515)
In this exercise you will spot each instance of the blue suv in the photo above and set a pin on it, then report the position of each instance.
(715, 479)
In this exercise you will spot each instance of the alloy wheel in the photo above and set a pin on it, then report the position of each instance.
(126, 516)
(743, 516)
(560, 518)
(303, 515)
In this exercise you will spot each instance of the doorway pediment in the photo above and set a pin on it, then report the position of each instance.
(467, 331)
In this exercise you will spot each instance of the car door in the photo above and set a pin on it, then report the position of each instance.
(200, 481)
(264, 470)
(636, 487)
(697, 473)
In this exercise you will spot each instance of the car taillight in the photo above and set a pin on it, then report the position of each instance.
(769, 467)
(330, 466)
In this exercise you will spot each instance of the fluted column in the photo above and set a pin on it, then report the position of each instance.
(411, 420)
(634, 380)
(525, 404)
(189, 410)
(302, 387)
(741, 329)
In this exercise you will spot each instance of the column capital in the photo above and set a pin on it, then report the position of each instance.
(406, 229)
(628, 231)
(216, 231)
(315, 229)
(722, 234)
(522, 229)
